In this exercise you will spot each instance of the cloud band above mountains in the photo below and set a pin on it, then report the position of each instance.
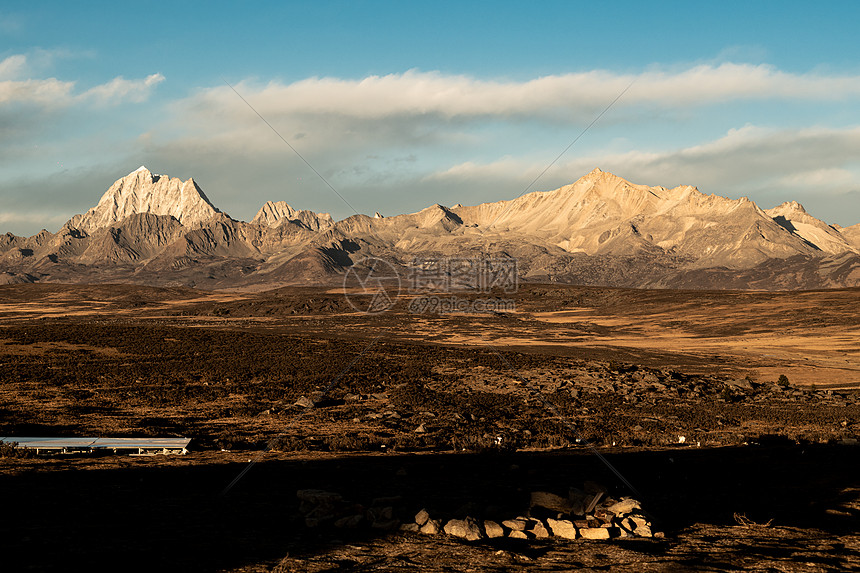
(395, 139)
(556, 96)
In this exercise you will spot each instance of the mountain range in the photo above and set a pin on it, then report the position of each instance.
(600, 230)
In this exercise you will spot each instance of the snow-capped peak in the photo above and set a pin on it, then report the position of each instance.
(159, 195)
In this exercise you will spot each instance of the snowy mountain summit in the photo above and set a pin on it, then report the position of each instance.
(144, 192)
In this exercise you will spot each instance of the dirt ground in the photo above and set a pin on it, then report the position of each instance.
(679, 391)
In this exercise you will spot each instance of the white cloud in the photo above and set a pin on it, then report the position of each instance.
(752, 153)
(818, 164)
(337, 121)
(13, 66)
(46, 219)
(827, 177)
(120, 89)
(51, 92)
(17, 87)
(504, 168)
(570, 96)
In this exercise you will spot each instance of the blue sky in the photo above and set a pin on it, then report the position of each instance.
(401, 105)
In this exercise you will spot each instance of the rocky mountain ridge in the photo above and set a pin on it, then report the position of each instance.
(600, 230)
(272, 214)
(143, 192)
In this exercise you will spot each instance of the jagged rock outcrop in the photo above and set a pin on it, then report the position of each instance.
(272, 214)
(135, 238)
(793, 217)
(143, 192)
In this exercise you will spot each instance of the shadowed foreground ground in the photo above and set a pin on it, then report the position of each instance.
(166, 513)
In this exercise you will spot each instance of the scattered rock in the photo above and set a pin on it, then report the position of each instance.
(742, 383)
(431, 527)
(604, 515)
(493, 529)
(515, 524)
(624, 506)
(539, 530)
(562, 528)
(595, 533)
(639, 521)
(628, 525)
(422, 517)
(466, 529)
(610, 519)
(637, 525)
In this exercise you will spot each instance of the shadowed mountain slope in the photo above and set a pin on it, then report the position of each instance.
(600, 230)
